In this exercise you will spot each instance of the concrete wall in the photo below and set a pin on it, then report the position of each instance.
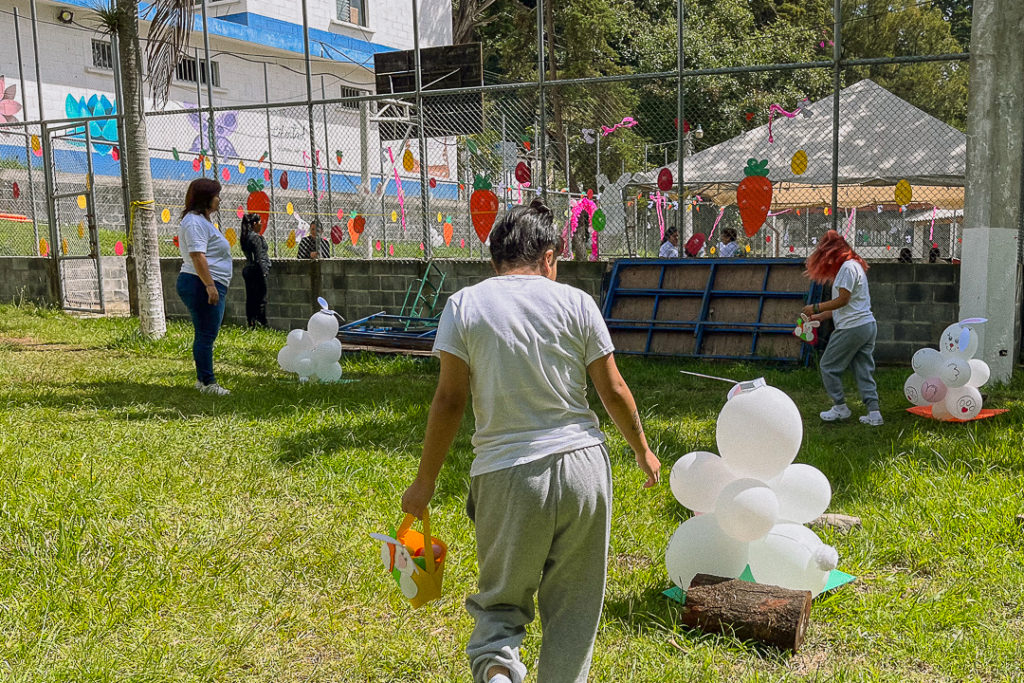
(913, 302)
(25, 279)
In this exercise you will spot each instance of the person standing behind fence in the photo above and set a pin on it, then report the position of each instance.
(255, 271)
(540, 483)
(728, 246)
(669, 244)
(205, 275)
(852, 344)
(314, 245)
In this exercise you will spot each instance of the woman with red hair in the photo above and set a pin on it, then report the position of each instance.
(853, 342)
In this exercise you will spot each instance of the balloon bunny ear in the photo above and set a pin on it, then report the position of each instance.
(965, 338)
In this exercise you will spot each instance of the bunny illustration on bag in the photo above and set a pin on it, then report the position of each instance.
(416, 566)
(399, 564)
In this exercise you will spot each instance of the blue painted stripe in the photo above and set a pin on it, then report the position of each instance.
(277, 34)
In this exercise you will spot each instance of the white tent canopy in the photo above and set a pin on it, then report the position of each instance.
(882, 140)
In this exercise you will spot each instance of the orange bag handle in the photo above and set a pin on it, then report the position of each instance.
(428, 541)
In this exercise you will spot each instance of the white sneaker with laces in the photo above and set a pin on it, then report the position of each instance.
(499, 678)
(213, 389)
(836, 413)
(873, 418)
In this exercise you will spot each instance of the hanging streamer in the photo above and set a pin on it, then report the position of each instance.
(659, 201)
(593, 245)
(721, 212)
(850, 214)
(931, 230)
(776, 109)
(398, 184)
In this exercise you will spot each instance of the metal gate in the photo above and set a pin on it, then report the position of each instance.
(68, 167)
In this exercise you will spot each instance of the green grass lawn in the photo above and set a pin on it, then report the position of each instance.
(150, 533)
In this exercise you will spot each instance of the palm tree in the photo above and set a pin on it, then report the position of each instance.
(170, 26)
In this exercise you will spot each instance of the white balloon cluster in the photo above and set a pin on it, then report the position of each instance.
(752, 502)
(314, 352)
(948, 379)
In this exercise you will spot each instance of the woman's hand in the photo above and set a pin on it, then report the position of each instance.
(808, 312)
(651, 466)
(212, 295)
(417, 497)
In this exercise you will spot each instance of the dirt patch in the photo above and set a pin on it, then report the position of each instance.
(30, 344)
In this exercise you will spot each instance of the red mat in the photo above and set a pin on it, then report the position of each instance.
(926, 411)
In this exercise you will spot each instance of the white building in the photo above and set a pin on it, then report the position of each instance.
(257, 55)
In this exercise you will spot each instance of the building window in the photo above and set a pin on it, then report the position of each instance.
(351, 92)
(187, 70)
(352, 11)
(102, 55)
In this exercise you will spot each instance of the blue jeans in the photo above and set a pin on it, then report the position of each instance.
(206, 320)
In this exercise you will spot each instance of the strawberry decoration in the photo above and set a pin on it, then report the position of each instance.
(754, 196)
(258, 202)
(483, 207)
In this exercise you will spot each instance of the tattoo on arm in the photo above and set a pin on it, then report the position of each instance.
(639, 428)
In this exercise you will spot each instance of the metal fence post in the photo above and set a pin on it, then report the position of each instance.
(327, 156)
(837, 54)
(542, 133)
(309, 110)
(209, 89)
(270, 159)
(199, 116)
(680, 119)
(424, 181)
(122, 164)
(28, 148)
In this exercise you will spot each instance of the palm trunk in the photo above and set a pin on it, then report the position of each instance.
(143, 241)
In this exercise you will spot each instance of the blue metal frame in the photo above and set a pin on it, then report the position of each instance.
(702, 325)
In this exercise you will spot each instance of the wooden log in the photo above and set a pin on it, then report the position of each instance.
(750, 611)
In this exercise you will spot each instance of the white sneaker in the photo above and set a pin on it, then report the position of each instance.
(873, 418)
(835, 413)
(213, 389)
(499, 678)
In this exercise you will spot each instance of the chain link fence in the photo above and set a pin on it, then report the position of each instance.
(385, 179)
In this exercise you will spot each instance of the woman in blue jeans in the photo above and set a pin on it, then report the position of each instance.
(205, 276)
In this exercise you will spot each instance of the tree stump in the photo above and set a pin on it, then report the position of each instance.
(750, 611)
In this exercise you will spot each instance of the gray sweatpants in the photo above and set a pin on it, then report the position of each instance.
(541, 528)
(851, 348)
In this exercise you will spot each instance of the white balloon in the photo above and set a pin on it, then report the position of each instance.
(327, 352)
(286, 358)
(746, 509)
(939, 411)
(912, 390)
(759, 432)
(955, 371)
(329, 373)
(963, 403)
(953, 338)
(803, 491)
(322, 326)
(980, 373)
(700, 547)
(926, 362)
(304, 367)
(933, 390)
(300, 341)
(697, 478)
(792, 556)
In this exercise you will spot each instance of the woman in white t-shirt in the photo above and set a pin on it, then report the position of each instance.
(540, 483)
(728, 246)
(852, 344)
(205, 275)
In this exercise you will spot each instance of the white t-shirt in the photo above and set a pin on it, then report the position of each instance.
(199, 234)
(528, 341)
(851, 277)
(727, 249)
(668, 250)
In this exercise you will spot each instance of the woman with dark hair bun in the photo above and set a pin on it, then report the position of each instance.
(205, 275)
(540, 483)
(255, 271)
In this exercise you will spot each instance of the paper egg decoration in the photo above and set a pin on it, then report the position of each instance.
(407, 161)
(165, 216)
(599, 220)
(904, 193)
(798, 164)
(284, 180)
(522, 172)
(665, 180)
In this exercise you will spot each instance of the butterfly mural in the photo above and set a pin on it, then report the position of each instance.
(101, 131)
(224, 124)
(8, 106)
